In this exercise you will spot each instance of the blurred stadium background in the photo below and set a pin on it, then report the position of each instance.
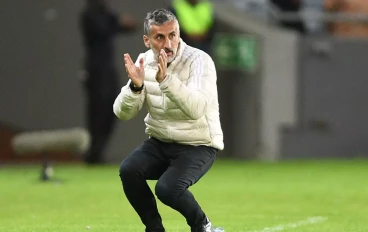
(294, 110)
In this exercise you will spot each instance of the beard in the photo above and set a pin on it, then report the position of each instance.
(170, 59)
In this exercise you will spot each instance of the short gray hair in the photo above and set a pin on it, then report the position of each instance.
(157, 17)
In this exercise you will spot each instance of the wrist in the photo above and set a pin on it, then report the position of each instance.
(165, 81)
(161, 79)
(136, 89)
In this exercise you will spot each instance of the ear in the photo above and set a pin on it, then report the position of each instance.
(146, 41)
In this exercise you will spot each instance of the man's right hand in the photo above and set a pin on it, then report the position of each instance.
(136, 74)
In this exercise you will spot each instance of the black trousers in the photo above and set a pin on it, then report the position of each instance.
(101, 90)
(176, 167)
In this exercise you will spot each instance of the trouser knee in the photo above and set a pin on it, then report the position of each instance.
(168, 194)
(127, 171)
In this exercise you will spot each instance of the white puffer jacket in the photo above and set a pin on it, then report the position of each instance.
(184, 107)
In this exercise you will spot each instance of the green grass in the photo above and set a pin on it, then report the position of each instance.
(239, 196)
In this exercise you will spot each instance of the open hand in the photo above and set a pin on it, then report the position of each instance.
(136, 74)
(162, 66)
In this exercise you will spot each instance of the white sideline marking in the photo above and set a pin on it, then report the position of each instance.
(308, 221)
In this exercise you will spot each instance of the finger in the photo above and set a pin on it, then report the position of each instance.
(159, 68)
(129, 59)
(163, 61)
(163, 54)
(127, 70)
(164, 58)
(160, 60)
(130, 68)
(141, 62)
(130, 63)
(126, 60)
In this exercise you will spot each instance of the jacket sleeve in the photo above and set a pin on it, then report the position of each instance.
(128, 104)
(193, 98)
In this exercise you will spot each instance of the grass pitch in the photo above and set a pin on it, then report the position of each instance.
(300, 196)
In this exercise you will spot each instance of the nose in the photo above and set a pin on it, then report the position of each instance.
(168, 43)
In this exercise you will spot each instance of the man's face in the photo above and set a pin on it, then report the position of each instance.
(165, 37)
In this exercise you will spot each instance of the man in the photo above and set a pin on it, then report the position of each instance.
(291, 6)
(178, 84)
(99, 27)
(348, 29)
(197, 22)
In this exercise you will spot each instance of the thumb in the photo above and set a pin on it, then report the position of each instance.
(141, 61)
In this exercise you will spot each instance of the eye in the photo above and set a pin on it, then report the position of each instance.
(159, 37)
(172, 36)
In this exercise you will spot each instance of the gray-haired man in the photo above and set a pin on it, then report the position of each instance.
(178, 85)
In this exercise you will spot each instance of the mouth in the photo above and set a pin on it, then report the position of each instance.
(169, 53)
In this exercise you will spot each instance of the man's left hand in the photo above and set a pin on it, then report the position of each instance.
(162, 66)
